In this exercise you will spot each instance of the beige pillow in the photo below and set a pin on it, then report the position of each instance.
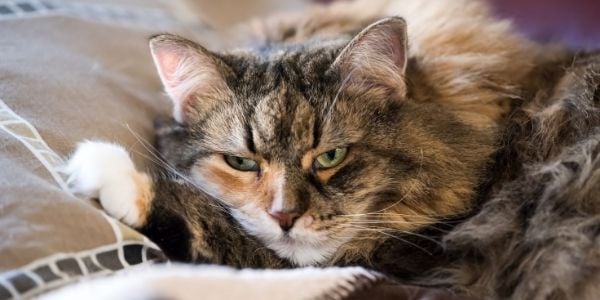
(80, 71)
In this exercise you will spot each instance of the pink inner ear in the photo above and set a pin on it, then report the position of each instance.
(187, 74)
(167, 60)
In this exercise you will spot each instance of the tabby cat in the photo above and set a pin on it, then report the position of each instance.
(356, 134)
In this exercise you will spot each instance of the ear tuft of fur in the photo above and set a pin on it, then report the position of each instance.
(377, 55)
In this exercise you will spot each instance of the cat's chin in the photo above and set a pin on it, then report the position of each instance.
(301, 252)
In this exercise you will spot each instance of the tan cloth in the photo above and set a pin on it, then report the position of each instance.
(66, 75)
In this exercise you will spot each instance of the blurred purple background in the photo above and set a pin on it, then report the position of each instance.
(575, 22)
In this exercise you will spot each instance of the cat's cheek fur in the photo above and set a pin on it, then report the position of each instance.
(250, 198)
(233, 188)
(105, 171)
(249, 208)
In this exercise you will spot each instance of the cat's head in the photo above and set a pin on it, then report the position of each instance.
(320, 148)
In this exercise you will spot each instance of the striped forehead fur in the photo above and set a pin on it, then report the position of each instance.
(473, 60)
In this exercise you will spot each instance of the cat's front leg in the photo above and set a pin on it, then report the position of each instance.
(105, 171)
(165, 209)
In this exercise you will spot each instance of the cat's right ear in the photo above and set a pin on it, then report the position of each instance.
(190, 74)
(377, 56)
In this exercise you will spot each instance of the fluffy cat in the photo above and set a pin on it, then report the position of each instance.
(357, 134)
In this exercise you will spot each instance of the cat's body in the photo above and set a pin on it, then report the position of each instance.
(332, 141)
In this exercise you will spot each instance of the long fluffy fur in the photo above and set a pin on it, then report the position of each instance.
(538, 237)
(473, 59)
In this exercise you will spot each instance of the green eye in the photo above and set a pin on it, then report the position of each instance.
(241, 163)
(331, 158)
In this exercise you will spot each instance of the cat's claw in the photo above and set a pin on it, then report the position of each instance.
(105, 171)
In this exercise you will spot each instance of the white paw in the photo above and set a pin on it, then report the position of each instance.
(105, 171)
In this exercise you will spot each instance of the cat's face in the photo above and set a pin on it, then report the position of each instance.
(317, 150)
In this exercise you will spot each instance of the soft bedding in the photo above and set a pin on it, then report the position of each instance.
(67, 75)
(213, 282)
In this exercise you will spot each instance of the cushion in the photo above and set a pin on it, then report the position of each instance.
(70, 71)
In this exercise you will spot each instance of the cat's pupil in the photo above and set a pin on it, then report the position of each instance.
(239, 160)
(331, 154)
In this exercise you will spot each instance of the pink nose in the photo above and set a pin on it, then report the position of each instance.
(285, 219)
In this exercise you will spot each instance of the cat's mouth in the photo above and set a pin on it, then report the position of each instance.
(303, 251)
(300, 244)
(291, 238)
(286, 237)
(305, 247)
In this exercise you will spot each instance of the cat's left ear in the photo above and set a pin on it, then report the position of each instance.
(192, 75)
(377, 56)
